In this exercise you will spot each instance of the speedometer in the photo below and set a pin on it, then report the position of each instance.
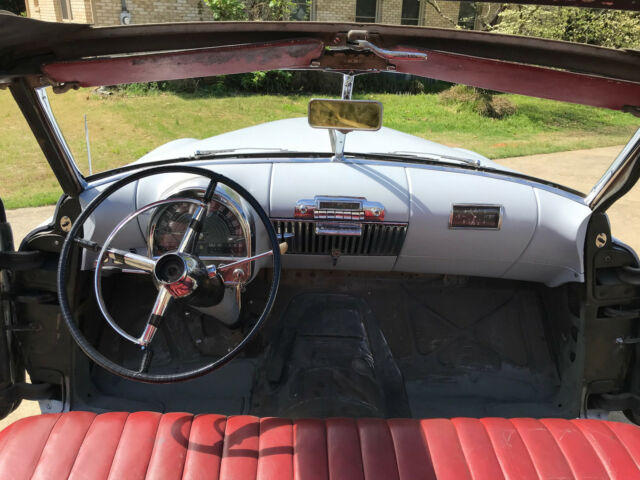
(225, 231)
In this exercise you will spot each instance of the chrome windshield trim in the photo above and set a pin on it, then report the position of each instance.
(605, 187)
(353, 159)
(43, 99)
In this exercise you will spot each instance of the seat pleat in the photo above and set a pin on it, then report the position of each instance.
(629, 435)
(275, 455)
(310, 460)
(204, 454)
(510, 450)
(545, 453)
(612, 454)
(343, 449)
(24, 443)
(240, 452)
(63, 446)
(133, 454)
(178, 446)
(577, 451)
(99, 447)
(170, 447)
(376, 446)
(478, 450)
(445, 450)
(411, 451)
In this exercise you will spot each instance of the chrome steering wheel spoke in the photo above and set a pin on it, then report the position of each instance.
(175, 274)
(231, 268)
(188, 242)
(118, 256)
(155, 318)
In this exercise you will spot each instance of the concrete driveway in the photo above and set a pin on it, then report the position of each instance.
(579, 170)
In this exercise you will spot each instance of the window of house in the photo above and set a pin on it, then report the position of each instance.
(366, 11)
(410, 12)
(65, 9)
(301, 10)
(467, 15)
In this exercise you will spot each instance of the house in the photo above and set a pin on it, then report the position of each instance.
(432, 13)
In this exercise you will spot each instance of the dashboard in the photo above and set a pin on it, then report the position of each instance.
(364, 215)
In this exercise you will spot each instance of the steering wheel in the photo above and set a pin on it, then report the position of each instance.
(177, 275)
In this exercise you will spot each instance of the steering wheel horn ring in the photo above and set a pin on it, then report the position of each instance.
(178, 275)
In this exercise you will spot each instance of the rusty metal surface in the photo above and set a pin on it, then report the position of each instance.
(186, 64)
(527, 80)
(29, 43)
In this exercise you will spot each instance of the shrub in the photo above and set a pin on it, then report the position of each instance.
(501, 107)
(483, 102)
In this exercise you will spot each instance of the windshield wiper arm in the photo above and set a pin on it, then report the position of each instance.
(225, 151)
(437, 158)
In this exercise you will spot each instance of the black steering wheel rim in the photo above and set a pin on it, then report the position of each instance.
(63, 265)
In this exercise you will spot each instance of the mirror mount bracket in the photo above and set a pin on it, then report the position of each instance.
(338, 137)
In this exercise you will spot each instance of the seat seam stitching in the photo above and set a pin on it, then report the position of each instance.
(184, 462)
(425, 444)
(75, 459)
(621, 443)
(224, 444)
(326, 447)
(259, 448)
(44, 446)
(495, 451)
(124, 424)
(155, 442)
(293, 473)
(526, 448)
(360, 448)
(466, 460)
(155, 436)
(593, 447)
(564, 456)
(393, 443)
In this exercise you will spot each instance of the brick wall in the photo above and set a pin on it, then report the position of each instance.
(391, 11)
(107, 12)
(335, 10)
(50, 10)
(446, 18)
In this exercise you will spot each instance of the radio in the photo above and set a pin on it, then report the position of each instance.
(339, 215)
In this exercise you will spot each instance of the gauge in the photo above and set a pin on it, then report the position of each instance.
(476, 216)
(224, 232)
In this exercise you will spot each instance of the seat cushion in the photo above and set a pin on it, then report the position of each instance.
(122, 446)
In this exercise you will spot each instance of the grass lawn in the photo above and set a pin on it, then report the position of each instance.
(124, 128)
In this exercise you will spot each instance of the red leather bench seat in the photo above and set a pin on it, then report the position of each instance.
(122, 446)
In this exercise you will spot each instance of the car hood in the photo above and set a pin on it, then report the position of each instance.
(295, 135)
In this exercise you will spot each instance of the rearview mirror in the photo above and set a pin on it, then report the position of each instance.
(345, 115)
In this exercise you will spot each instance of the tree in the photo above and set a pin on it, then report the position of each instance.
(13, 6)
(608, 28)
(251, 9)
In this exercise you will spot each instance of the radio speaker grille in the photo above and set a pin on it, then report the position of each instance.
(382, 239)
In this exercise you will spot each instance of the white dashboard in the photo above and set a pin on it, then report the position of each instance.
(539, 236)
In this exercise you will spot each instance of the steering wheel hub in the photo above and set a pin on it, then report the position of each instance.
(180, 273)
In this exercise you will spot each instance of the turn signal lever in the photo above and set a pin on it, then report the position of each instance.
(229, 266)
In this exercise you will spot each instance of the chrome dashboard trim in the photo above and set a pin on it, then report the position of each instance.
(477, 205)
(351, 159)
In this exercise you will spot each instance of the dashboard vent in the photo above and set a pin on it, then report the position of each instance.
(382, 239)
